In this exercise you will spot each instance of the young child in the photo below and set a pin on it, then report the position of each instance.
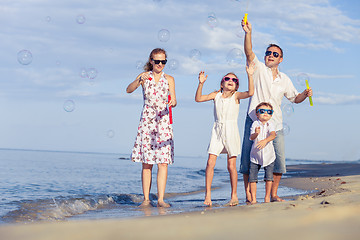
(262, 151)
(225, 136)
(154, 141)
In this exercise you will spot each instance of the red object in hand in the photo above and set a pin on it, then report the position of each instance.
(170, 111)
(150, 78)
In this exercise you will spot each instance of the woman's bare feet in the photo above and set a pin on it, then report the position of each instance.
(163, 204)
(145, 204)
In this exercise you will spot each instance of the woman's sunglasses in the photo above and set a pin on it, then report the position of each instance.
(262, 111)
(235, 80)
(160, 61)
(275, 54)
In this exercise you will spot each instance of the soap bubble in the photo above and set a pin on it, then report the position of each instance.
(285, 128)
(212, 20)
(235, 57)
(92, 73)
(300, 79)
(83, 73)
(164, 35)
(24, 57)
(195, 54)
(110, 134)
(80, 19)
(69, 105)
(239, 31)
(173, 64)
(139, 64)
(288, 109)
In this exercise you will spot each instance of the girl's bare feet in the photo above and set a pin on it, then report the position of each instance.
(208, 202)
(233, 202)
(277, 199)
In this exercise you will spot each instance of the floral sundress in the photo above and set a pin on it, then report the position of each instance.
(154, 140)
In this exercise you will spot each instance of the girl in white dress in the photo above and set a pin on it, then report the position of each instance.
(225, 136)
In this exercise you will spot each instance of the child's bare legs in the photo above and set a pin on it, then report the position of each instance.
(253, 192)
(268, 185)
(247, 187)
(146, 183)
(209, 175)
(231, 166)
(161, 184)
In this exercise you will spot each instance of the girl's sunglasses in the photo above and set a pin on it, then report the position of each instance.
(235, 80)
(160, 61)
(275, 54)
(262, 111)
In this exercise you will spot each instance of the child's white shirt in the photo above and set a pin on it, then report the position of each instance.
(266, 155)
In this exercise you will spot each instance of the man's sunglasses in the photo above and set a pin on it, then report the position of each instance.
(275, 54)
(160, 61)
(235, 80)
(262, 111)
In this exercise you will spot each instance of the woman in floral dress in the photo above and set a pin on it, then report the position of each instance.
(154, 141)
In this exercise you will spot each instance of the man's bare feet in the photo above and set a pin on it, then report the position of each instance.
(277, 199)
(163, 204)
(145, 204)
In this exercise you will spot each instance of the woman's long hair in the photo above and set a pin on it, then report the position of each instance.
(148, 66)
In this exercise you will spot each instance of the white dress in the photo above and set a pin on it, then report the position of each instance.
(225, 137)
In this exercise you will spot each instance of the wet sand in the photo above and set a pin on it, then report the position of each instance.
(330, 211)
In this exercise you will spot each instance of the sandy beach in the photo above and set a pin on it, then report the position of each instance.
(330, 211)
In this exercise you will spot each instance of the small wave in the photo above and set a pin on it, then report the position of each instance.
(61, 208)
(202, 172)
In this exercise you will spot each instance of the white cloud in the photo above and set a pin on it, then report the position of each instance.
(294, 73)
(317, 46)
(317, 23)
(336, 99)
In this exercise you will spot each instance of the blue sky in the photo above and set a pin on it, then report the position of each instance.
(320, 38)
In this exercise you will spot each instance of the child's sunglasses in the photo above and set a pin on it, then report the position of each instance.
(160, 61)
(235, 80)
(262, 111)
(275, 54)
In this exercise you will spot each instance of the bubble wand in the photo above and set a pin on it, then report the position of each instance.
(307, 86)
(170, 110)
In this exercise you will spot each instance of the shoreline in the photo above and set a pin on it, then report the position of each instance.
(330, 211)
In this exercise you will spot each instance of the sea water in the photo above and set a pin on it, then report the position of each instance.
(53, 185)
